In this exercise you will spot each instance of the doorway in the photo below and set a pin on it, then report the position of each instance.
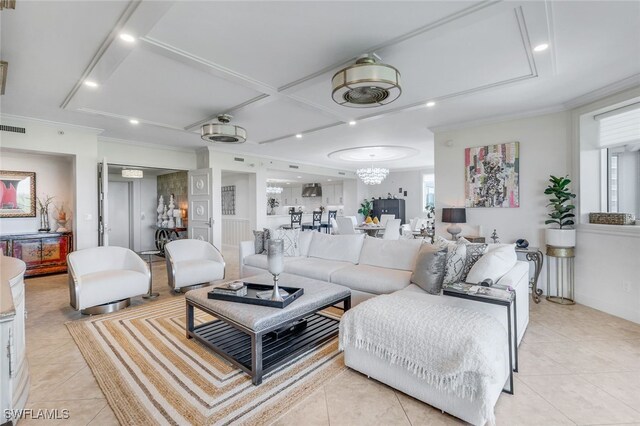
(120, 211)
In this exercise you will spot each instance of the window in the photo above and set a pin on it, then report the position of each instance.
(428, 191)
(619, 140)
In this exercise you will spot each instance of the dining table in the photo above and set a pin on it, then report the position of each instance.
(326, 226)
(371, 230)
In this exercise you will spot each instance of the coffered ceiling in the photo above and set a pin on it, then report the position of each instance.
(270, 64)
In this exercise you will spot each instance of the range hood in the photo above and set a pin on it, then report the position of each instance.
(311, 190)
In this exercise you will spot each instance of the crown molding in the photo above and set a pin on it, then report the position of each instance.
(499, 118)
(94, 130)
(603, 92)
(146, 144)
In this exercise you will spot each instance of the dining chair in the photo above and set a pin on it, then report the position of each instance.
(392, 230)
(296, 221)
(316, 221)
(385, 217)
(345, 225)
(332, 214)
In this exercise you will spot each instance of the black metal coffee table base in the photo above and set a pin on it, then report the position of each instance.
(262, 352)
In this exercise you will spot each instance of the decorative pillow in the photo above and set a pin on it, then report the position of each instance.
(474, 252)
(258, 238)
(494, 264)
(290, 237)
(430, 268)
(456, 257)
(304, 241)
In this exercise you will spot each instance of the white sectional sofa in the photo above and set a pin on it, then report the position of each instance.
(372, 266)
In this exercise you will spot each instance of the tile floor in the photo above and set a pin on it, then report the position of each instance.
(577, 366)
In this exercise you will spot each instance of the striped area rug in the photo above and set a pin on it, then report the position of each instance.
(152, 374)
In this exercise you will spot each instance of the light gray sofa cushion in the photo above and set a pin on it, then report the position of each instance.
(394, 254)
(430, 267)
(318, 269)
(336, 247)
(304, 241)
(372, 279)
(260, 260)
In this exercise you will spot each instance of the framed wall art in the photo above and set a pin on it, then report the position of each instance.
(492, 175)
(17, 194)
(229, 200)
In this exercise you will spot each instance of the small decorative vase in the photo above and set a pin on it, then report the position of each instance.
(275, 260)
(44, 220)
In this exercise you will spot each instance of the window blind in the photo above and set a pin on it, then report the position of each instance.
(620, 129)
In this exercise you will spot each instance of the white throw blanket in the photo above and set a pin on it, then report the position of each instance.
(453, 349)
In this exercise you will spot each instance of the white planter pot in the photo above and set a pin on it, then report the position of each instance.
(560, 237)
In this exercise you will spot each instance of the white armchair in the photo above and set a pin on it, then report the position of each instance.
(104, 279)
(193, 263)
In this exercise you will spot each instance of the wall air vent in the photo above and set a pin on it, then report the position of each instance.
(291, 166)
(12, 129)
(240, 159)
(342, 173)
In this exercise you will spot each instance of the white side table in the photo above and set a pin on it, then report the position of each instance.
(150, 253)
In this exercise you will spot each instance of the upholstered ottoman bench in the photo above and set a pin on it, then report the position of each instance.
(438, 349)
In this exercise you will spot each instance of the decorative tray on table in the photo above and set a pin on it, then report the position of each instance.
(254, 291)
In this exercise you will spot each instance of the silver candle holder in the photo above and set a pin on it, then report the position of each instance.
(275, 259)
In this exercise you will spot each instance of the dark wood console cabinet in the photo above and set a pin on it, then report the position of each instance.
(43, 252)
(389, 206)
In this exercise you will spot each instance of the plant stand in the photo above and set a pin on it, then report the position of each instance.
(563, 258)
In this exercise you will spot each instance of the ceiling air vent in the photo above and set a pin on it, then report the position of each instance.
(240, 159)
(291, 166)
(12, 129)
(342, 173)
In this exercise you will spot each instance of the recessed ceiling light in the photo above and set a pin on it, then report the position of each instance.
(328, 180)
(430, 104)
(134, 121)
(288, 183)
(299, 177)
(541, 47)
(299, 135)
(90, 83)
(352, 123)
(127, 37)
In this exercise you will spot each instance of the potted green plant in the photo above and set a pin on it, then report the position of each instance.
(365, 208)
(561, 213)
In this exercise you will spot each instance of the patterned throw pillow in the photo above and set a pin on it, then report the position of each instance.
(456, 258)
(266, 234)
(474, 252)
(258, 239)
(290, 237)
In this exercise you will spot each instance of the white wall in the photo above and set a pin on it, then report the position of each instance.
(81, 145)
(544, 150)
(54, 177)
(146, 155)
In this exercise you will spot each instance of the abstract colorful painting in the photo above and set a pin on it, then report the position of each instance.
(492, 175)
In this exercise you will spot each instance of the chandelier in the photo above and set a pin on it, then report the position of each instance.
(372, 175)
(274, 189)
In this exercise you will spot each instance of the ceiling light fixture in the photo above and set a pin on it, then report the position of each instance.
(366, 84)
(132, 173)
(299, 135)
(90, 83)
(541, 47)
(274, 190)
(372, 175)
(134, 121)
(352, 123)
(127, 37)
(223, 131)
(430, 104)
